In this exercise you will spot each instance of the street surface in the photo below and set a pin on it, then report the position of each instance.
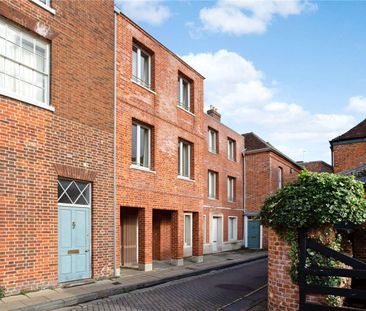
(237, 288)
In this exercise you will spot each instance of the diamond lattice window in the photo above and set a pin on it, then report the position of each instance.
(73, 192)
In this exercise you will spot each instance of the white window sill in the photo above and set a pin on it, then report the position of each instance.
(27, 101)
(142, 168)
(185, 110)
(185, 178)
(44, 6)
(228, 201)
(144, 87)
(213, 199)
(213, 152)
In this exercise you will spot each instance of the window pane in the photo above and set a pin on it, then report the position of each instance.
(13, 51)
(186, 160)
(2, 81)
(144, 147)
(10, 84)
(134, 62)
(39, 94)
(134, 143)
(185, 101)
(2, 46)
(145, 69)
(40, 63)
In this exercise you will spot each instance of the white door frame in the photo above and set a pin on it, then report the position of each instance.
(187, 249)
(218, 243)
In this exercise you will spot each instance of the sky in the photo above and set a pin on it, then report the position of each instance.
(292, 71)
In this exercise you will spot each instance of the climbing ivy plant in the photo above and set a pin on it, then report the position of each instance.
(316, 201)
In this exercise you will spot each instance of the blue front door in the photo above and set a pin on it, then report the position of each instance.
(73, 243)
(253, 234)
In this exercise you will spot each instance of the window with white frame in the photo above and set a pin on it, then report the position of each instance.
(231, 149)
(184, 159)
(141, 66)
(184, 93)
(280, 177)
(230, 189)
(46, 2)
(24, 65)
(233, 228)
(187, 230)
(141, 145)
(212, 140)
(212, 185)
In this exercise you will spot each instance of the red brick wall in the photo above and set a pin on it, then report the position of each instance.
(257, 168)
(289, 170)
(348, 156)
(79, 134)
(160, 189)
(219, 163)
(283, 295)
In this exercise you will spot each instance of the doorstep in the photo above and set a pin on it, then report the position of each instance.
(51, 299)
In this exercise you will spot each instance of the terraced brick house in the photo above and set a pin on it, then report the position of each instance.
(223, 196)
(266, 169)
(56, 142)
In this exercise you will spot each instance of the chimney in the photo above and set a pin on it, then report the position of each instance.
(212, 112)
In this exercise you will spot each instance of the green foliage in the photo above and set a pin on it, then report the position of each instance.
(315, 201)
(2, 292)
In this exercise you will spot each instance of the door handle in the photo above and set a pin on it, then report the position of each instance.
(86, 251)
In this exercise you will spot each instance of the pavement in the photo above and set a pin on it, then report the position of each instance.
(239, 287)
(130, 280)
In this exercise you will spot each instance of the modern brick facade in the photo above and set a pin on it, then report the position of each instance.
(263, 165)
(75, 141)
(160, 197)
(219, 210)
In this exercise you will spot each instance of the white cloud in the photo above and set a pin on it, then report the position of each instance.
(357, 104)
(150, 11)
(239, 90)
(240, 17)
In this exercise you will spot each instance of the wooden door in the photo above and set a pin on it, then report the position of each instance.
(129, 238)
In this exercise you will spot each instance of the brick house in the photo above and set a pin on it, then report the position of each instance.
(159, 151)
(56, 150)
(266, 170)
(316, 166)
(349, 158)
(349, 149)
(223, 191)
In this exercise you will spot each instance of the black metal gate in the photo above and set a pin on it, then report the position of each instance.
(358, 272)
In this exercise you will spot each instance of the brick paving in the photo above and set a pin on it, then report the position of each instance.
(206, 292)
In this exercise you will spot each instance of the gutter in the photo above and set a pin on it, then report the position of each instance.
(116, 273)
(245, 238)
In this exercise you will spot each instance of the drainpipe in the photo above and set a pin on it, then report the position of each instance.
(244, 196)
(116, 273)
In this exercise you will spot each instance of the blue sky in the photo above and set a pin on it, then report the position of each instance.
(292, 71)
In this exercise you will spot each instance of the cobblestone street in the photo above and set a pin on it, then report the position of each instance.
(211, 291)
